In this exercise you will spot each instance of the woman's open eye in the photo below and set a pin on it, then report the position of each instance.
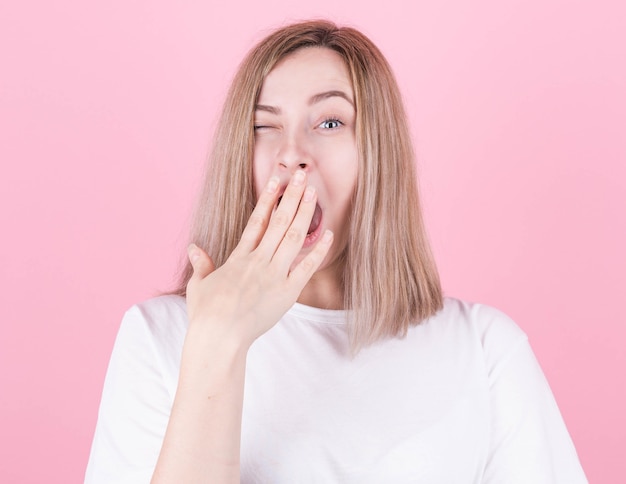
(331, 123)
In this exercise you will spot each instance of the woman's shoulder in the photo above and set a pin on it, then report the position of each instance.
(160, 322)
(160, 313)
(494, 329)
(167, 309)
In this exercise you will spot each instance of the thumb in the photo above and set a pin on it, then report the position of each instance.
(200, 261)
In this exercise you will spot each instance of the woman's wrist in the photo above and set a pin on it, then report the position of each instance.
(209, 351)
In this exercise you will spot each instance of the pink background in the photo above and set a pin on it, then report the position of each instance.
(106, 110)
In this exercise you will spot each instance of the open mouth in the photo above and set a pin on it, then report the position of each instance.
(315, 220)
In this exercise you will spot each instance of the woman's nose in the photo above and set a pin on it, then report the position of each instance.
(294, 155)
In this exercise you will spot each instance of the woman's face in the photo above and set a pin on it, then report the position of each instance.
(304, 119)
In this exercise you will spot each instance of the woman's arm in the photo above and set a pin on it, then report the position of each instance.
(228, 309)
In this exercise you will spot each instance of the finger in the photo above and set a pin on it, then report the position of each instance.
(255, 228)
(301, 274)
(292, 241)
(281, 219)
(201, 262)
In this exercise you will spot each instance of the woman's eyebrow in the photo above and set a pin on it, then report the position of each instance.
(325, 95)
(269, 109)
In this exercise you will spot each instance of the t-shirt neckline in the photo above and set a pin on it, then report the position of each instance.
(319, 315)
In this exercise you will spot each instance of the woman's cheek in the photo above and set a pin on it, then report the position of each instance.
(343, 155)
(261, 169)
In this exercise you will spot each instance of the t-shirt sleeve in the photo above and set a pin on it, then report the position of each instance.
(134, 409)
(529, 440)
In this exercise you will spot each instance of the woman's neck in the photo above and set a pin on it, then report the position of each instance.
(324, 290)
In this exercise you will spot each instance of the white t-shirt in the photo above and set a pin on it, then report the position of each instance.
(460, 399)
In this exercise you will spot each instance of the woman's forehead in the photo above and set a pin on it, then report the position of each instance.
(306, 73)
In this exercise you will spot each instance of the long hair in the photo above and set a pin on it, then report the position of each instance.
(390, 279)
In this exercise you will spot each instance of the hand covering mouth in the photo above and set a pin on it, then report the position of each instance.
(315, 220)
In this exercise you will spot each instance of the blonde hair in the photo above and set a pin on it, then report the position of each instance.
(389, 275)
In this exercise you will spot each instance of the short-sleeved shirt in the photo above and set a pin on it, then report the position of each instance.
(459, 399)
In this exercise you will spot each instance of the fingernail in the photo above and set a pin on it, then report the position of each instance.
(298, 177)
(272, 185)
(192, 250)
(309, 194)
(328, 235)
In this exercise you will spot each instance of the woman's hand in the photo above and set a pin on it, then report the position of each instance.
(257, 284)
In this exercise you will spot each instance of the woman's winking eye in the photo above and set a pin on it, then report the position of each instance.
(257, 126)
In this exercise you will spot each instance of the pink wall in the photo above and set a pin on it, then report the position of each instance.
(519, 112)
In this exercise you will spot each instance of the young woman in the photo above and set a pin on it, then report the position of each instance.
(309, 340)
